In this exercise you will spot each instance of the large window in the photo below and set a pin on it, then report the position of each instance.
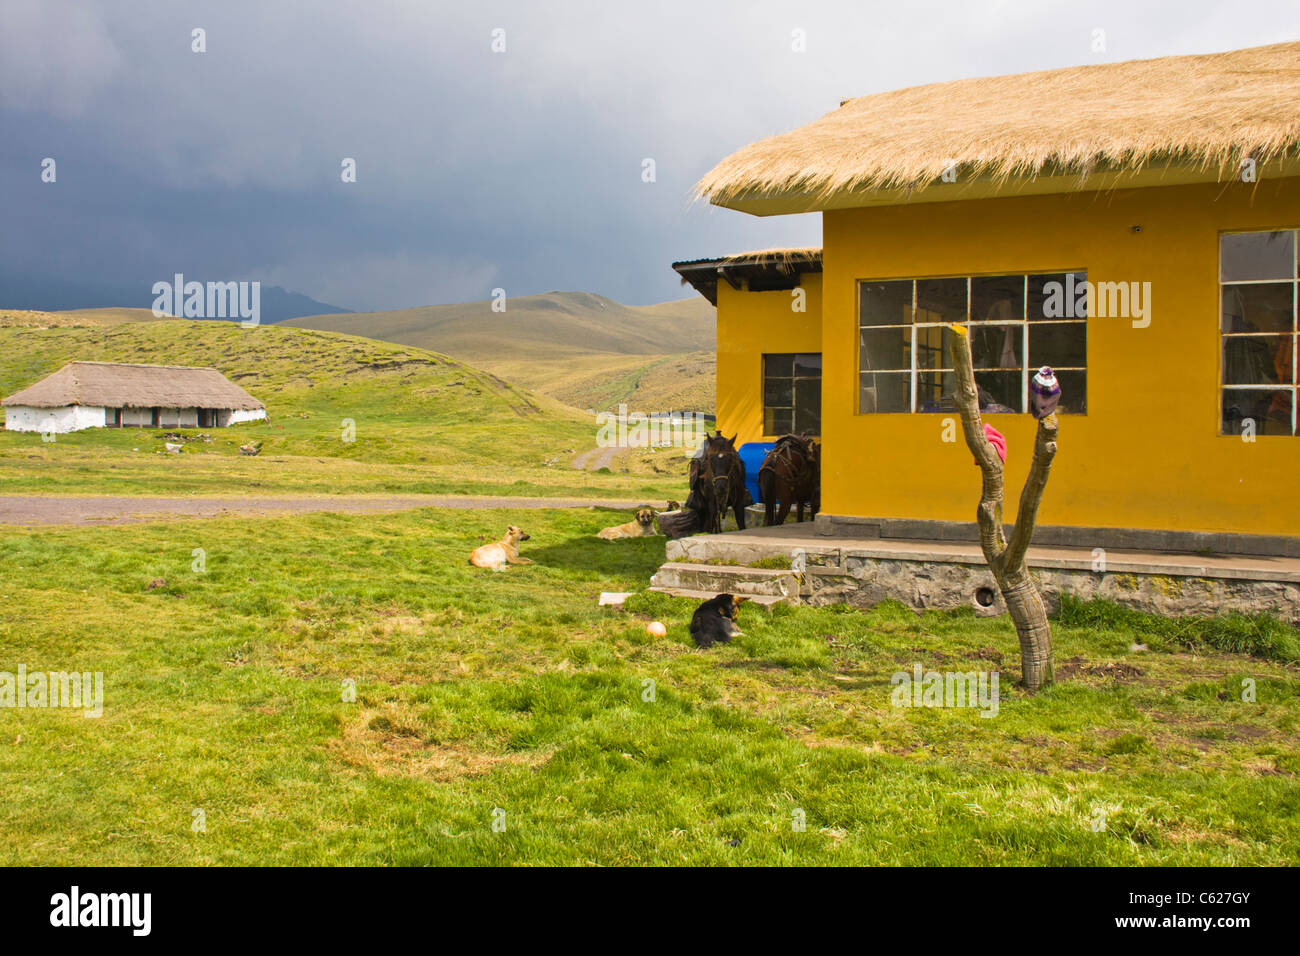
(792, 393)
(1259, 284)
(1017, 323)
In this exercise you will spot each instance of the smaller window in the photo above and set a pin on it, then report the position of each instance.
(1259, 328)
(792, 393)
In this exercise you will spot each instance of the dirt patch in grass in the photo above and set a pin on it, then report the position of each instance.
(1117, 671)
(388, 742)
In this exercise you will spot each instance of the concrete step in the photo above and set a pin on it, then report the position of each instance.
(762, 600)
(714, 579)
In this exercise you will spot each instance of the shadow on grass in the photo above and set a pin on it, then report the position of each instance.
(635, 556)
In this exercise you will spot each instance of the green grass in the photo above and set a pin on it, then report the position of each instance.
(478, 691)
(422, 422)
(1259, 634)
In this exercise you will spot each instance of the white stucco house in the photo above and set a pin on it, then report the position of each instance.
(112, 395)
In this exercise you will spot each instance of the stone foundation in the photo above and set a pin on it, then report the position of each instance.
(944, 575)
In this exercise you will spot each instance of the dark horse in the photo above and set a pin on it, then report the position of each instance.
(718, 483)
(790, 474)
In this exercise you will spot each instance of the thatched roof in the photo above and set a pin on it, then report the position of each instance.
(110, 385)
(1207, 112)
(764, 270)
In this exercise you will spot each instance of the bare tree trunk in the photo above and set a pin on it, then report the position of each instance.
(1006, 558)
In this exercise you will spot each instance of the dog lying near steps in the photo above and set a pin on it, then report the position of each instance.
(642, 526)
(501, 554)
(714, 621)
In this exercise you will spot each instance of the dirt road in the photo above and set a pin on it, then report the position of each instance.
(56, 510)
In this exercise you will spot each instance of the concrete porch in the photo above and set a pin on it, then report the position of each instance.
(862, 571)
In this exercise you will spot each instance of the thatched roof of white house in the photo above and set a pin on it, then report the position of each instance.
(112, 385)
(1208, 112)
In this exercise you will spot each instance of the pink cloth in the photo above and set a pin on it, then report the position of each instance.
(997, 441)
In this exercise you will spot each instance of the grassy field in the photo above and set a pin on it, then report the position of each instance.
(422, 422)
(479, 694)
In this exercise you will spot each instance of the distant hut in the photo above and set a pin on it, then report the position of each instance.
(111, 395)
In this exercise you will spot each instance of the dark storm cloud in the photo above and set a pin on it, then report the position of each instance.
(475, 169)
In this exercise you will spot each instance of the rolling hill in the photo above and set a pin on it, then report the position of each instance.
(422, 421)
(585, 350)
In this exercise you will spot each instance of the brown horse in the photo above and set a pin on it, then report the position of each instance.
(790, 473)
(718, 482)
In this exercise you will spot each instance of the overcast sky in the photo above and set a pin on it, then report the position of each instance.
(475, 169)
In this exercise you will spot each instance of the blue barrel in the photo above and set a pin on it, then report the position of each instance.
(752, 455)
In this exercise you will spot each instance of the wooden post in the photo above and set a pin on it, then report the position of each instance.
(1006, 557)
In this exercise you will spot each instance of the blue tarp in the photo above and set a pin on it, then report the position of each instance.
(752, 455)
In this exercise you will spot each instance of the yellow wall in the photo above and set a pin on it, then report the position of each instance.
(1148, 454)
(749, 325)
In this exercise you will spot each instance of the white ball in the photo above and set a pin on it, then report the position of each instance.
(656, 629)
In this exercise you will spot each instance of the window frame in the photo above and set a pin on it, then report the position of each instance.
(793, 378)
(1026, 371)
(1220, 285)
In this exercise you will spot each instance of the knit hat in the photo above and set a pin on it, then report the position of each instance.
(1044, 393)
(997, 441)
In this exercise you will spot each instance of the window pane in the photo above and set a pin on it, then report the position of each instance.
(934, 346)
(999, 391)
(1257, 360)
(886, 349)
(934, 391)
(1270, 410)
(997, 298)
(1257, 255)
(886, 392)
(808, 406)
(1058, 344)
(809, 363)
(997, 346)
(808, 391)
(886, 303)
(1058, 296)
(775, 366)
(1258, 308)
(941, 300)
(778, 391)
(1074, 393)
(777, 421)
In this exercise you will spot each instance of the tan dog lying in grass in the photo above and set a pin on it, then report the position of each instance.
(642, 526)
(500, 554)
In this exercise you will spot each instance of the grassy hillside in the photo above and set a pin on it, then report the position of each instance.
(423, 421)
(223, 691)
(601, 381)
(585, 350)
(107, 316)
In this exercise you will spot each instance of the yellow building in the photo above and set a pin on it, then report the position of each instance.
(1132, 225)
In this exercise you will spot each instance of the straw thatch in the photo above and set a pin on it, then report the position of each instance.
(761, 270)
(1208, 111)
(110, 385)
(785, 258)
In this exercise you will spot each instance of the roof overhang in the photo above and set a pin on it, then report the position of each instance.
(770, 271)
(1170, 173)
